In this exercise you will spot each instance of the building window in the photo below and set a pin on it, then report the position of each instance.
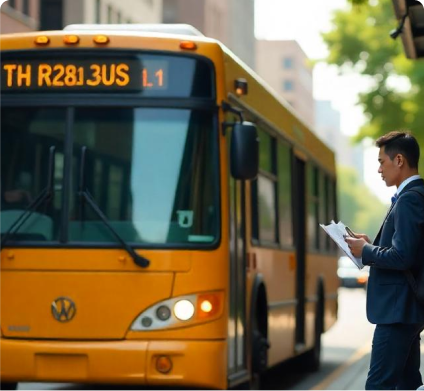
(98, 11)
(288, 85)
(287, 63)
(51, 15)
(170, 12)
(12, 3)
(109, 14)
(25, 7)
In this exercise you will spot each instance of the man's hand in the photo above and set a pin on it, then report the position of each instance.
(362, 236)
(357, 245)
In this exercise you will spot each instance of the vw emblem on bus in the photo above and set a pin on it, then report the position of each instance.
(63, 309)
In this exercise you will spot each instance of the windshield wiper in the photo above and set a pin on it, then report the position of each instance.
(85, 195)
(45, 195)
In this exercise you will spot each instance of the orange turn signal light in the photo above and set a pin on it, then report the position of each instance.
(71, 39)
(208, 305)
(101, 39)
(42, 40)
(241, 86)
(163, 364)
(188, 45)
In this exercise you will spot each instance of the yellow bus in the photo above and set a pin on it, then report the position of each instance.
(148, 238)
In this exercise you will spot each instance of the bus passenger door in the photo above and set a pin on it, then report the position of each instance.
(299, 219)
(237, 367)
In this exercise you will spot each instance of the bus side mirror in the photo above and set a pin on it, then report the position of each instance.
(244, 154)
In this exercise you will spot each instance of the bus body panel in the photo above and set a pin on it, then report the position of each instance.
(263, 107)
(281, 300)
(120, 362)
(106, 304)
(101, 260)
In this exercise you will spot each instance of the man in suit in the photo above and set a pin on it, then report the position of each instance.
(399, 246)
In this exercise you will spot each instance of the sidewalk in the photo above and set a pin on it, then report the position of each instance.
(354, 375)
(349, 343)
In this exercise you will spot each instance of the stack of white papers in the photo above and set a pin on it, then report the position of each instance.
(337, 232)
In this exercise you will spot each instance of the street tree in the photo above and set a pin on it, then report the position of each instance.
(359, 42)
(358, 207)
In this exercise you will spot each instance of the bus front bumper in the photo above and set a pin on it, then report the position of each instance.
(194, 363)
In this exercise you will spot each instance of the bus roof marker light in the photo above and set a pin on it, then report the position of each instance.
(241, 86)
(101, 39)
(42, 40)
(71, 39)
(188, 45)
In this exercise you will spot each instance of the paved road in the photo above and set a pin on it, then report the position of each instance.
(345, 357)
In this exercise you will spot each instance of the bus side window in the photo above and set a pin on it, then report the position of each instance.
(264, 204)
(321, 210)
(313, 207)
(284, 171)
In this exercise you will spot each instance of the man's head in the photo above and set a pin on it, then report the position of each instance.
(398, 156)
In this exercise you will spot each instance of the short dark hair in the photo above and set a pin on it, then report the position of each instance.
(402, 142)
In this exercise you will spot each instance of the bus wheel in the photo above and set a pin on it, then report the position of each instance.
(260, 352)
(8, 386)
(259, 344)
(312, 358)
(260, 348)
(254, 384)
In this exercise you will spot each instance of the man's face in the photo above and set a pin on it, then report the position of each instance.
(389, 169)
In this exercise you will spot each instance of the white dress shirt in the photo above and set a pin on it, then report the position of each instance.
(405, 182)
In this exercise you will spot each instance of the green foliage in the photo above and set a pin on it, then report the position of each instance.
(358, 207)
(359, 42)
(358, 2)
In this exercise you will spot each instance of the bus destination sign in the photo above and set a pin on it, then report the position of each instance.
(132, 75)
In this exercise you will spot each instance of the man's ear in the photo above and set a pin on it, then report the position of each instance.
(400, 160)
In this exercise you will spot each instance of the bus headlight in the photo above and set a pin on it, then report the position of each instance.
(180, 311)
(184, 309)
(163, 312)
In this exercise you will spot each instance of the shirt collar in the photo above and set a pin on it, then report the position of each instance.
(405, 182)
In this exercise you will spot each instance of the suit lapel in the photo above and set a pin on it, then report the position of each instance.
(377, 238)
(416, 182)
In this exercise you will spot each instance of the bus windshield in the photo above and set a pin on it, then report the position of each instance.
(152, 171)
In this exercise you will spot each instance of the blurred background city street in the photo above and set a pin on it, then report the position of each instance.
(341, 78)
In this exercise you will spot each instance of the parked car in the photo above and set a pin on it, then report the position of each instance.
(349, 274)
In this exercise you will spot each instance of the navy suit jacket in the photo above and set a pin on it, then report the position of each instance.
(399, 246)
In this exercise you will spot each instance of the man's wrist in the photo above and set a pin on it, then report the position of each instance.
(366, 252)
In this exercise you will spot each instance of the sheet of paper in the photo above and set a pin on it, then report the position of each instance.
(337, 233)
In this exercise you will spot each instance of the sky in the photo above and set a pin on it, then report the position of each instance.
(303, 21)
